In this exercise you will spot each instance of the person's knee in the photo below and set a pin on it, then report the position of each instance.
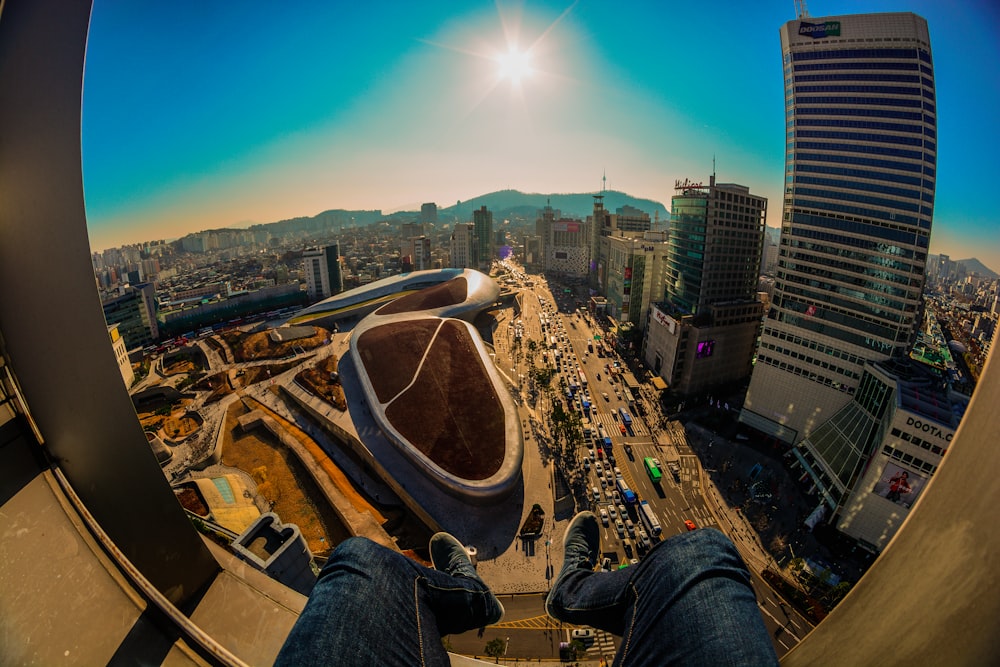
(693, 552)
(358, 554)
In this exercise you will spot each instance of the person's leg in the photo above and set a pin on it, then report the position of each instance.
(688, 602)
(374, 606)
(580, 595)
(692, 603)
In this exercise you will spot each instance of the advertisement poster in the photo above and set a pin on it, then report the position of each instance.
(902, 487)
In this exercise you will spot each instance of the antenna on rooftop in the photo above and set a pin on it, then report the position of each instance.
(604, 181)
(800, 9)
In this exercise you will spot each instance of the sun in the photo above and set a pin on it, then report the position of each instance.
(514, 65)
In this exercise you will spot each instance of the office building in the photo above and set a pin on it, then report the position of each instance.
(321, 266)
(134, 310)
(121, 355)
(703, 332)
(416, 255)
(429, 213)
(564, 243)
(463, 248)
(482, 220)
(625, 222)
(636, 271)
(870, 462)
(861, 149)
(408, 230)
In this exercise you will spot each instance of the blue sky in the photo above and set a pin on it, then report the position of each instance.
(200, 115)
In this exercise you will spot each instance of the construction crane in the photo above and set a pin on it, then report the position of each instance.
(800, 9)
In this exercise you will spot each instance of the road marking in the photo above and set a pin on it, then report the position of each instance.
(784, 626)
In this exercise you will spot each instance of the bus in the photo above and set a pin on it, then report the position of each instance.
(626, 417)
(552, 342)
(628, 495)
(583, 378)
(652, 470)
(649, 519)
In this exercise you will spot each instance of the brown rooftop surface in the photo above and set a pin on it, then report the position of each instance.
(448, 293)
(391, 354)
(451, 413)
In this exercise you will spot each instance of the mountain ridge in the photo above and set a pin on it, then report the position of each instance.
(570, 204)
(973, 265)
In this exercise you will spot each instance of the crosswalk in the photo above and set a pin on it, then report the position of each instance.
(603, 646)
(610, 424)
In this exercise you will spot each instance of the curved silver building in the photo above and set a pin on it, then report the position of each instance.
(434, 390)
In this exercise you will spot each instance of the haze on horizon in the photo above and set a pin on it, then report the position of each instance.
(198, 117)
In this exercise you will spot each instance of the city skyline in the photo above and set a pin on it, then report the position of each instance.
(434, 103)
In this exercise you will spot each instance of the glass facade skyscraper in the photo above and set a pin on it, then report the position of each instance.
(482, 221)
(861, 148)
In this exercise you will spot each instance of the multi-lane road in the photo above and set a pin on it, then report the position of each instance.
(674, 501)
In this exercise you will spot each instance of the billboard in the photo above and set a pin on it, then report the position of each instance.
(566, 226)
(900, 486)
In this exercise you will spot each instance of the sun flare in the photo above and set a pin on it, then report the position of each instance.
(514, 65)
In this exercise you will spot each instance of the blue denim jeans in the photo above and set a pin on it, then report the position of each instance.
(689, 602)
(374, 606)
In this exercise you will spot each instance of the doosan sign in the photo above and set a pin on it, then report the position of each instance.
(817, 30)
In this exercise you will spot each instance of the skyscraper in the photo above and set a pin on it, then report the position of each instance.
(482, 220)
(703, 332)
(322, 269)
(860, 159)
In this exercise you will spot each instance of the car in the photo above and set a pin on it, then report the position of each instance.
(586, 634)
(586, 465)
(634, 561)
(621, 427)
(629, 526)
(611, 511)
(618, 472)
(689, 524)
(596, 492)
(620, 528)
(606, 564)
(599, 377)
(628, 453)
(604, 516)
(590, 453)
(621, 510)
(657, 463)
(627, 546)
(605, 395)
(611, 459)
(599, 467)
(617, 496)
(608, 475)
(604, 483)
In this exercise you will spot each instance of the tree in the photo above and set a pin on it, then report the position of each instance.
(495, 649)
